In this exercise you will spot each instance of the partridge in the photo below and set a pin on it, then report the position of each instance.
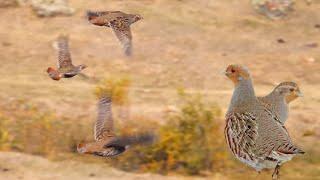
(119, 22)
(278, 100)
(107, 144)
(253, 133)
(65, 67)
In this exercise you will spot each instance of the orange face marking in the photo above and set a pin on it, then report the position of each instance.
(236, 72)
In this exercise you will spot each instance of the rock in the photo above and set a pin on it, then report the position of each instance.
(309, 60)
(273, 9)
(8, 3)
(312, 45)
(281, 41)
(47, 8)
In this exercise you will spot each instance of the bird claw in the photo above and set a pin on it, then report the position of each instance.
(275, 174)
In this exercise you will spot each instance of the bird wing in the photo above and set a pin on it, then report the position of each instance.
(123, 33)
(144, 138)
(241, 132)
(64, 57)
(273, 136)
(266, 102)
(102, 18)
(104, 123)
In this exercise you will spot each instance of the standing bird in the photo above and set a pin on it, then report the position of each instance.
(119, 22)
(253, 133)
(278, 100)
(65, 67)
(106, 143)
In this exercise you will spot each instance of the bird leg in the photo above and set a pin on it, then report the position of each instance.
(276, 172)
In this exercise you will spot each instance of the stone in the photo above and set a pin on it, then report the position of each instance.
(47, 8)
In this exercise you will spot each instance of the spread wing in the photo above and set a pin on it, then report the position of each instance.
(110, 152)
(104, 123)
(145, 138)
(64, 57)
(241, 132)
(123, 33)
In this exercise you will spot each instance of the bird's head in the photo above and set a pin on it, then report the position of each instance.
(137, 17)
(290, 90)
(54, 74)
(82, 148)
(237, 73)
(82, 66)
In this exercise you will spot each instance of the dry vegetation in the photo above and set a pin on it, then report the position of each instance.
(179, 44)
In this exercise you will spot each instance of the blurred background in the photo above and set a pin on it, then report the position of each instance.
(173, 85)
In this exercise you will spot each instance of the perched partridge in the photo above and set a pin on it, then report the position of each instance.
(65, 67)
(106, 143)
(119, 22)
(253, 133)
(278, 100)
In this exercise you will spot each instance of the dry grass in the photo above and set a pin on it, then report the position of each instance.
(178, 44)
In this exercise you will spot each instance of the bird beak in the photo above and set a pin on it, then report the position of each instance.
(227, 73)
(299, 94)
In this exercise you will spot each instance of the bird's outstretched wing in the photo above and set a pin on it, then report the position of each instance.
(144, 138)
(123, 33)
(104, 123)
(64, 57)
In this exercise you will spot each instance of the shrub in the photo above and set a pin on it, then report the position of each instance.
(25, 128)
(189, 143)
(118, 88)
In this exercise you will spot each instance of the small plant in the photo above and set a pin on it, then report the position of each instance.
(189, 143)
(117, 88)
(25, 128)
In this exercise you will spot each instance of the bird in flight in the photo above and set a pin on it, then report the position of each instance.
(119, 22)
(107, 144)
(65, 67)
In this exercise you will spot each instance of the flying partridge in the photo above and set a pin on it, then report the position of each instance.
(278, 100)
(65, 67)
(119, 22)
(253, 133)
(106, 143)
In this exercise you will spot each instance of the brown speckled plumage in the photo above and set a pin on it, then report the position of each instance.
(119, 22)
(106, 143)
(65, 67)
(253, 133)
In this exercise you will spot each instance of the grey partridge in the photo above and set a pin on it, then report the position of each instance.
(119, 22)
(65, 67)
(253, 133)
(107, 144)
(278, 100)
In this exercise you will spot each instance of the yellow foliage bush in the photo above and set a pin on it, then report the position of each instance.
(117, 88)
(189, 143)
(25, 128)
